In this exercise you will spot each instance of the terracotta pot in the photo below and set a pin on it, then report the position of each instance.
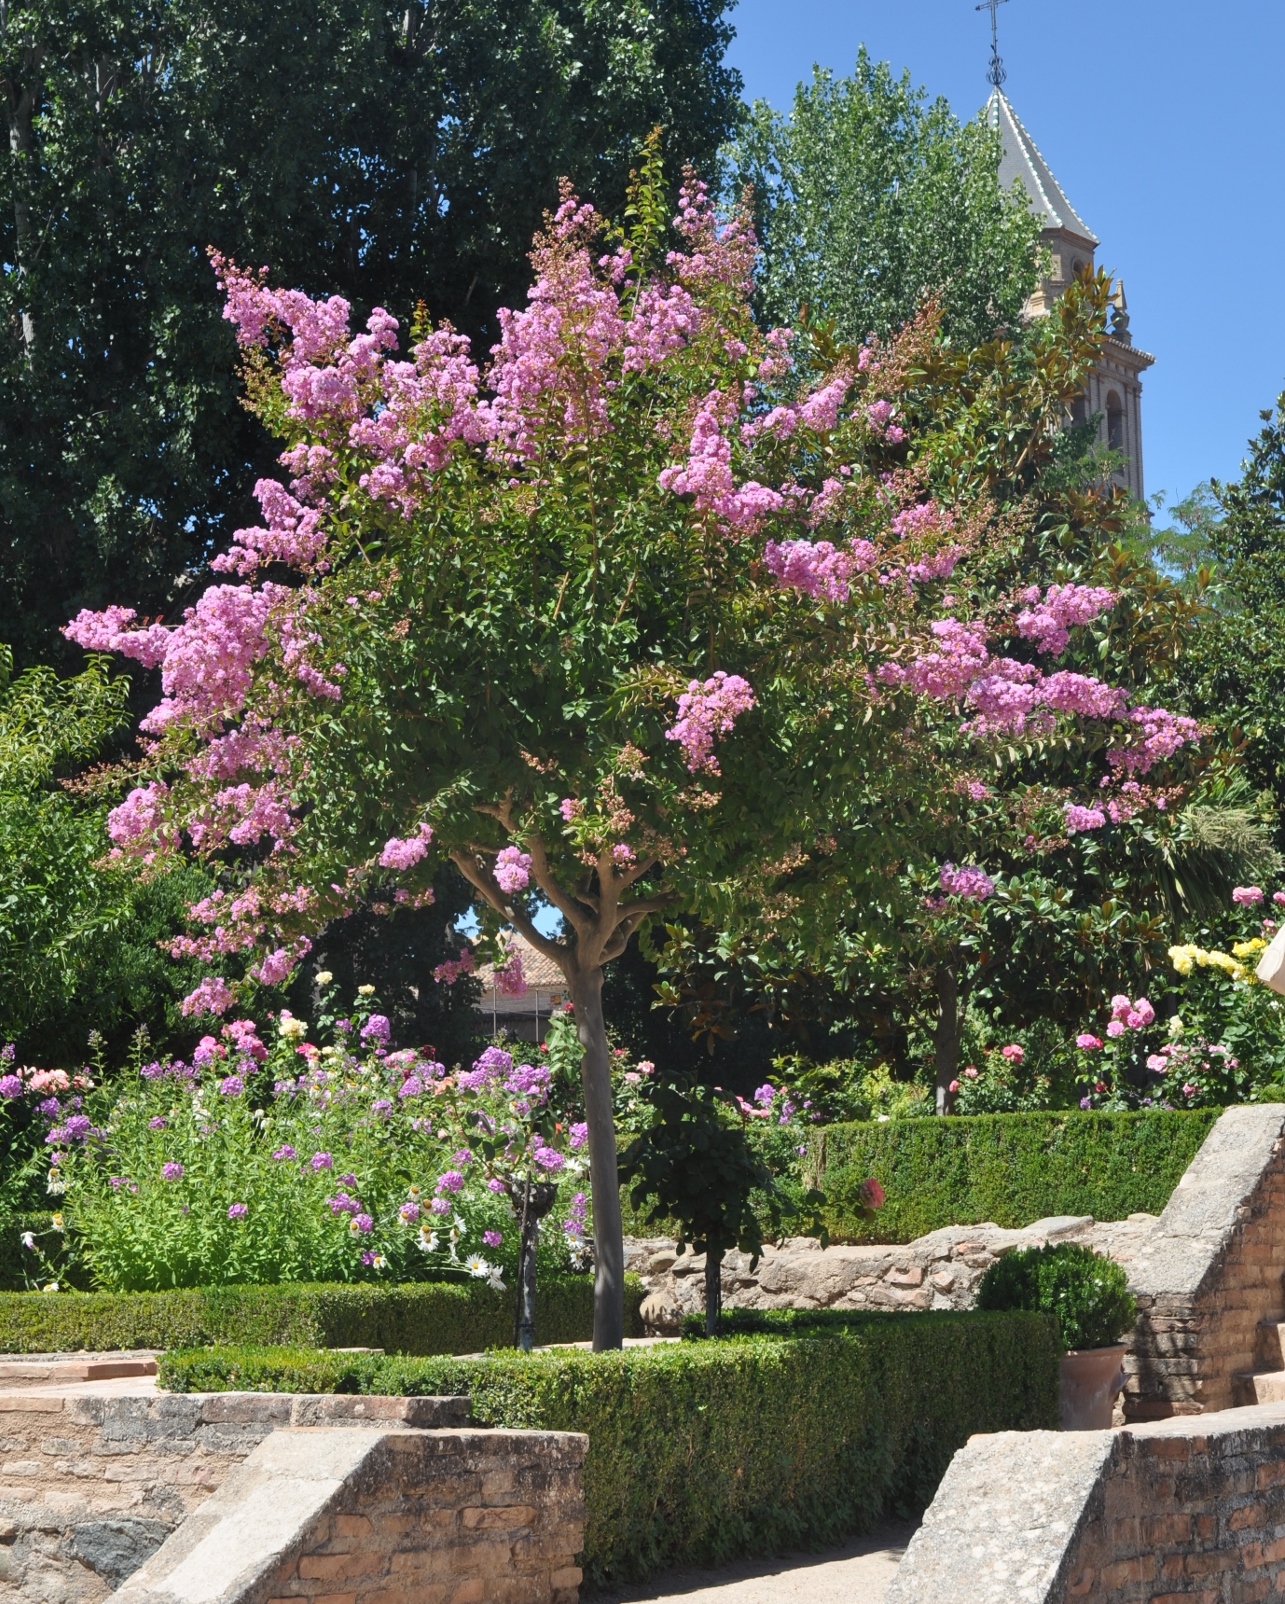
(1091, 1382)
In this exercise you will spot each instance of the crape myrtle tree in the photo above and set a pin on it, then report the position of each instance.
(638, 619)
(387, 152)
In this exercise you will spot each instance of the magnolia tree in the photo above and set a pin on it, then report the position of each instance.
(634, 618)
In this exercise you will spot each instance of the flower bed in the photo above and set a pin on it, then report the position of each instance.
(422, 1318)
(1007, 1168)
(701, 1451)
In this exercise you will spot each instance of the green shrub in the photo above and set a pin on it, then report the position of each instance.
(701, 1451)
(1009, 1168)
(416, 1318)
(1085, 1292)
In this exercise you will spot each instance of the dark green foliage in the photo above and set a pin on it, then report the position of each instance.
(387, 152)
(700, 1452)
(419, 1318)
(1085, 1292)
(396, 953)
(1008, 1168)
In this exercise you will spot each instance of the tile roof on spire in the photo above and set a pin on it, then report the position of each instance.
(1021, 159)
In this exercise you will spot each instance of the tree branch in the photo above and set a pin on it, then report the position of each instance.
(481, 880)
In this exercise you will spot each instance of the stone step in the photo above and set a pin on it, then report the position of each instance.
(1258, 1386)
(1269, 1345)
(20, 1371)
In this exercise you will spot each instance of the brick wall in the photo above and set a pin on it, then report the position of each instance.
(1178, 1509)
(92, 1483)
(1210, 1270)
(451, 1518)
(336, 1516)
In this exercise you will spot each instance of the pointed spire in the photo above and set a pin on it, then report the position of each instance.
(1020, 159)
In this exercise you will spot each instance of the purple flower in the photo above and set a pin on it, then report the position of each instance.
(172, 1171)
(381, 1105)
(528, 1080)
(231, 1086)
(765, 1096)
(409, 1211)
(158, 1122)
(493, 1065)
(450, 1181)
(322, 1161)
(376, 1029)
(284, 1151)
(463, 1156)
(412, 1086)
(494, 1186)
(238, 1211)
(77, 1128)
(439, 1205)
(492, 1239)
(347, 1180)
(50, 1107)
(363, 1223)
(1086, 1102)
(548, 1158)
(117, 1181)
(343, 1204)
(10, 1086)
(579, 1136)
(152, 1071)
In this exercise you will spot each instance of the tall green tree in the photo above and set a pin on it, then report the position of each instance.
(868, 198)
(390, 153)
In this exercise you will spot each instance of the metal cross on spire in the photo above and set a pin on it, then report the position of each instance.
(995, 73)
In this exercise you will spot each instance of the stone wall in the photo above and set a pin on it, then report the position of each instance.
(938, 1271)
(1172, 1510)
(93, 1482)
(336, 1516)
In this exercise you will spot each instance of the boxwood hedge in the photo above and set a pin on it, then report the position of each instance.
(702, 1451)
(415, 1318)
(1009, 1168)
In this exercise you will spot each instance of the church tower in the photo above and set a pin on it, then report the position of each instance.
(1114, 390)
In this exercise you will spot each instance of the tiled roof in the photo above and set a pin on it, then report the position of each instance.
(541, 973)
(1021, 159)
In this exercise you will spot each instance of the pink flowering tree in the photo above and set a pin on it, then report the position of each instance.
(642, 615)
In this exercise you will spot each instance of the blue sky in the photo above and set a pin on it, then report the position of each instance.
(1162, 121)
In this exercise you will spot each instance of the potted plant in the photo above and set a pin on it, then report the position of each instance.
(1088, 1296)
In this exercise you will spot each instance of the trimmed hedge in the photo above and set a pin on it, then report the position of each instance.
(415, 1317)
(702, 1451)
(1008, 1168)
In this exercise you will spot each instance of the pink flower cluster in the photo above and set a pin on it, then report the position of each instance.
(707, 475)
(704, 711)
(1080, 819)
(512, 869)
(1247, 896)
(1009, 696)
(451, 969)
(970, 883)
(510, 981)
(405, 854)
(1048, 622)
(1126, 1015)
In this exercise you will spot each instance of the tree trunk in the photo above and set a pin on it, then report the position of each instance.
(21, 107)
(530, 1201)
(713, 1288)
(608, 1240)
(946, 1042)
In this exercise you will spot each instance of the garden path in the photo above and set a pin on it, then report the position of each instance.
(857, 1573)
